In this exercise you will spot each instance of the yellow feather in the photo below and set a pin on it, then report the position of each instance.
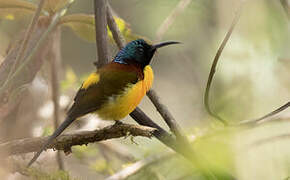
(120, 106)
(92, 79)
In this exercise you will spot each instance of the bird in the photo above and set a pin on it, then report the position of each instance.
(115, 89)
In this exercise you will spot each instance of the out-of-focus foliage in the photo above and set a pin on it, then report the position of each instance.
(123, 27)
(17, 9)
(47, 131)
(102, 166)
(70, 80)
(81, 152)
(57, 175)
(52, 6)
(215, 153)
(83, 25)
(13, 9)
(214, 157)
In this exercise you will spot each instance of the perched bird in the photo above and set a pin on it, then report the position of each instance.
(116, 89)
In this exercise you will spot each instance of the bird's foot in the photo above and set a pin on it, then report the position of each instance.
(132, 140)
(127, 135)
(117, 122)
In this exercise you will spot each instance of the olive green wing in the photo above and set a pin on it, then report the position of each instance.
(99, 88)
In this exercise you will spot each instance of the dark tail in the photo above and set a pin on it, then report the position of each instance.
(57, 132)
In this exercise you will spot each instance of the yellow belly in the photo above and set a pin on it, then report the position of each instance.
(121, 105)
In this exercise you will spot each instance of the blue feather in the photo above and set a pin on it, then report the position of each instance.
(132, 51)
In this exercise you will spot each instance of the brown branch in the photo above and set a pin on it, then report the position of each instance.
(214, 64)
(141, 118)
(66, 141)
(101, 32)
(54, 56)
(170, 19)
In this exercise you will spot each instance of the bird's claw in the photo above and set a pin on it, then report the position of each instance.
(132, 140)
(117, 122)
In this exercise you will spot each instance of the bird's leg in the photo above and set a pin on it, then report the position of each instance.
(127, 135)
(131, 138)
(117, 122)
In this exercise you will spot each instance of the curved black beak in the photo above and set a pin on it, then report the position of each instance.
(159, 45)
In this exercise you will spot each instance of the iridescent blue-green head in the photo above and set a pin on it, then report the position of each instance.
(139, 51)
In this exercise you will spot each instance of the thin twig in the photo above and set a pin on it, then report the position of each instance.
(286, 8)
(166, 115)
(66, 141)
(170, 19)
(152, 95)
(269, 140)
(101, 32)
(264, 119)
(119, 39)
(20, 53)
(214, 64)
(42, 39)
(55, 58)
(138, 166)
(141, 118)
(27, 36)
(181, 147)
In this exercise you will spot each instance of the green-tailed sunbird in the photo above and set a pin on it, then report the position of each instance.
(116, 89)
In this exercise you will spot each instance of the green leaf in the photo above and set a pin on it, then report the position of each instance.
(123, 27)
(15, 9)
(83, 26)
